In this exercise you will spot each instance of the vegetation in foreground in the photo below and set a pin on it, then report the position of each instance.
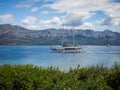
(30, 77)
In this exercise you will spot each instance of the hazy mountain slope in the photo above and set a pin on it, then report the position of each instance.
(16, 35)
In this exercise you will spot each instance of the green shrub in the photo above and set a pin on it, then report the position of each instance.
(30, 77)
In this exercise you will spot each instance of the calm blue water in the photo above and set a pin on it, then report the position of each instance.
(43, 56)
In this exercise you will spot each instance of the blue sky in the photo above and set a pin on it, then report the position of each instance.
(43, 14)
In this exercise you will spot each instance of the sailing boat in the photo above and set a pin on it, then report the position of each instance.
(68, 48)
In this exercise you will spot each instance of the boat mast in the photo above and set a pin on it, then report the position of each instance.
(73, 41)
(63, 36)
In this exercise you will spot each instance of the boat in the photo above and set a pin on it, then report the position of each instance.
(69, 48)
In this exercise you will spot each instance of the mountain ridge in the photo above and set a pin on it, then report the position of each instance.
(17, 35)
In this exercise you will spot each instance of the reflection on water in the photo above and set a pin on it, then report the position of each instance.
(41, 55)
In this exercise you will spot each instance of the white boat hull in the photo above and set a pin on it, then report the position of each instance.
(67, 49)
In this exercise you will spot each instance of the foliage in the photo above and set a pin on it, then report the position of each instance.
(30, 77)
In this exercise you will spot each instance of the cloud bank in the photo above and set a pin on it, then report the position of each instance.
(80, 10)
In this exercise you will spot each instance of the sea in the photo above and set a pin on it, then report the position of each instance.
(43, 56)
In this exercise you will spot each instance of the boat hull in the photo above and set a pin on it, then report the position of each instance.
(67, 49)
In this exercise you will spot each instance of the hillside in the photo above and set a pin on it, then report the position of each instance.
(17, 35)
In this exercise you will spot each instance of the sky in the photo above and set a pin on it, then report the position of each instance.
(98, 15)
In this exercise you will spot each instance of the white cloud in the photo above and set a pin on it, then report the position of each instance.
(114, 22)
(87, 25)
(27, 3)
(36, 24)
(113, 10)
(34, 9)
(6, 18)
(30, 22)
(55, 22)
(83, 8)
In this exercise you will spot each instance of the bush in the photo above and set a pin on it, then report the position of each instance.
(30, 77)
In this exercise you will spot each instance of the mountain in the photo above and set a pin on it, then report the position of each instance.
(17, 35)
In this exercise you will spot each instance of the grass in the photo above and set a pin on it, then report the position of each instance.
(30, 77)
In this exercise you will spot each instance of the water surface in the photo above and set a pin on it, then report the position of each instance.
(43, 56)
